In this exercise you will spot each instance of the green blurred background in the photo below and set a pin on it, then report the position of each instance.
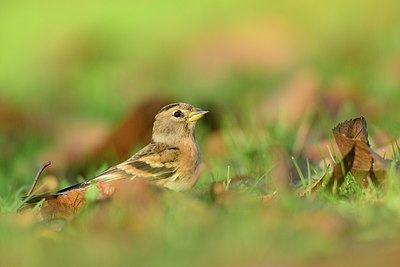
(100, 58)
(95, 61)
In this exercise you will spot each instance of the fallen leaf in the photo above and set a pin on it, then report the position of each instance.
(130, 192)
(341, 169)
(63, 206)
(347, 132)
(351, 137)
(354, 133)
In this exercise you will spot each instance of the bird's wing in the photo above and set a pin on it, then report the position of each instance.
(156, 161)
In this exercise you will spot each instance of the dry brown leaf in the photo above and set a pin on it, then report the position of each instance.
(64, 206)
(354, 133)
(322, 150)
(342, 168)
(347, 132)
(351, 137)
(131, 192)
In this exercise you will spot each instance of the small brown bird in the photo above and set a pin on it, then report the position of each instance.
(171, 159)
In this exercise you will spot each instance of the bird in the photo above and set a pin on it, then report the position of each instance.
(171, 159)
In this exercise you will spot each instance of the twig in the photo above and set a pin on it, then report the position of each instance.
(44, 166)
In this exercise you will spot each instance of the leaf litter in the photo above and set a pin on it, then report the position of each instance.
(358, 158)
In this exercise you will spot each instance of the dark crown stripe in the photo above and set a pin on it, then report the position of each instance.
(167, 107)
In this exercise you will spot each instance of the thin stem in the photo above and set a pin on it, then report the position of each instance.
(44, 166)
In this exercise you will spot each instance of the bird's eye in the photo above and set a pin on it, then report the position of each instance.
(178, 114)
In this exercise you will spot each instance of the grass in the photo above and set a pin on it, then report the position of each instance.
(117, 59)
(193, 229)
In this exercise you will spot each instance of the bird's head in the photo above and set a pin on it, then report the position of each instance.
(176, 121)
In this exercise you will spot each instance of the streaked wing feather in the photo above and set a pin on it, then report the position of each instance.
(155, 161)
(111, 174)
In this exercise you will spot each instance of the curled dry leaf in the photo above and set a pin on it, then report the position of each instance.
(351, 137)
(342, 169)
(346, 133)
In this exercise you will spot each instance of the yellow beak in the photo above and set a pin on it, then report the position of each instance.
(196, 114)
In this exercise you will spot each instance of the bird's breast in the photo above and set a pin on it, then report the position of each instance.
(188, 163)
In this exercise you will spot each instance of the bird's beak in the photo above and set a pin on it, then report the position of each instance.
(196, 114)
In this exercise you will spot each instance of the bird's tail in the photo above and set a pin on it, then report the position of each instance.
(32, 200)
(29, 202)
(37, 198)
